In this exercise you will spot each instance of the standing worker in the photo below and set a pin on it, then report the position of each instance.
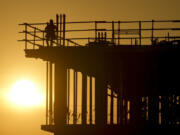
(50, 32)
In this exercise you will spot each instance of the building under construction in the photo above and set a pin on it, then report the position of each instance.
(109, 77)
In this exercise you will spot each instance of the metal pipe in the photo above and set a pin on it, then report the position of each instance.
(113, 32)
(34, 38)
(112, 108)
(75, 99)
(90, 109)
(47, 91)
(68, 94)
(119, 32)
(140, 33)
(64, 29)
(50, 93)
(95, 31)
(60, 28)
(57, 28)
(152, 38)
(25, 36)
(84, 99)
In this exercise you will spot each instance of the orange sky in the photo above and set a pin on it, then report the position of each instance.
(14, 65)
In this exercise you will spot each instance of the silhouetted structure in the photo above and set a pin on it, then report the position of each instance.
(99, 85)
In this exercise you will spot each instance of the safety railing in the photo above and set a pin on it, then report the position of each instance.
(89, 33)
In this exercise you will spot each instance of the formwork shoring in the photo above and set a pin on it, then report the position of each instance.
(136, 90)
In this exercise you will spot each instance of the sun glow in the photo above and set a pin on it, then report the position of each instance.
(24, 93)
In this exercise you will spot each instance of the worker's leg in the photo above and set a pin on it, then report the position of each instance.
(47, 42)
(51, 44)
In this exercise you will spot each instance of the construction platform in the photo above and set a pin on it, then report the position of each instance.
(111, 82)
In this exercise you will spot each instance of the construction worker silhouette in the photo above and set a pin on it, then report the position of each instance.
(50, 32)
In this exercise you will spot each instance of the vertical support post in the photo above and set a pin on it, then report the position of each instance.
(99, 37)
(64, 29)
(119, 32)
(120, 84)
(136, 42)
(96, 31)
(57, 29)
(43, 38)
(60, 28)
(25, 36)
(105, 36)
(90, 102)
(120, 95)
(50, 93)
(34, 38)
(112, 107)
(136, 110)
(153, 110)
(84, 99)
(76, 90)
(125, 110)
(113, 32)
(47, 91)
(152, 32)
(75, 98)
(68, 94)
(140, 33)
(100, 101)
(168, 37)
(146, 108)
(60, 107)
(102, 36)
(120, 110)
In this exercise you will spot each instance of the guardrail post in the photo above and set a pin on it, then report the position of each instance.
(95, 31)
(140, 33)
(113, 32)
(118, 32)
(43, 38)
(152, 38)
(25, 36)
(105, 36)
(60, 28)
(64, 28)
(34, 38)
(57, 28)
(131, 41)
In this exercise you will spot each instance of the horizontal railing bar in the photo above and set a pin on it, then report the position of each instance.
(126, 38)
(29, 40)
(121, 30)
(33, 23)
(143, 21)
(53, 41)
(39, 37)
(91, 38)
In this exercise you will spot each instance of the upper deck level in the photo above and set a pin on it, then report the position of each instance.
(102, 33)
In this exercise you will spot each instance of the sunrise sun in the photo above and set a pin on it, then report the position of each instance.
(24, 93)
